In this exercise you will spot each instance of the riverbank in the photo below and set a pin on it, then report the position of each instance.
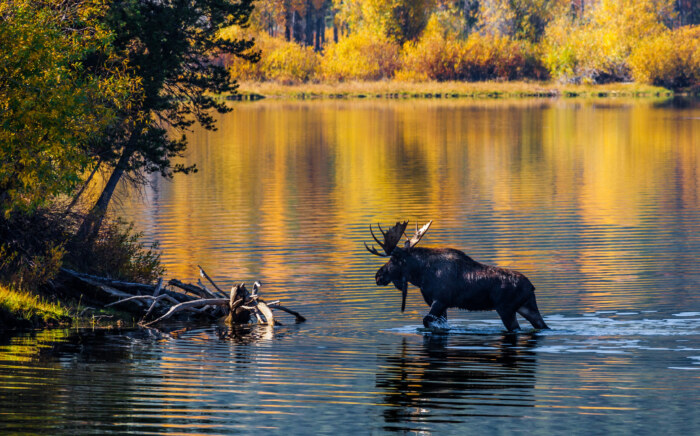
(22, 310)
(401, 90)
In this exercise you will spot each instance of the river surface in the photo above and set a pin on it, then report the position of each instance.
(597, 202)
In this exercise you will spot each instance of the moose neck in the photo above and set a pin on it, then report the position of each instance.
(416, 265)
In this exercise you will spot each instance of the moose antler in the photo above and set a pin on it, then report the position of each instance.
(391, 238)
(410, 243)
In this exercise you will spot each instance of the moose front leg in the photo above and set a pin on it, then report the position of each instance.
(509, 319)
(438, 312)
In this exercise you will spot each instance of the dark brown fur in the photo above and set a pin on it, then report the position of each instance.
(449, 278)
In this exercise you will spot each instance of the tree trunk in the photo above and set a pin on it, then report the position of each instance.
(82, 188)
(93, 221)
(309, 27)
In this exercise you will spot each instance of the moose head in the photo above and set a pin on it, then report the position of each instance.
(396, 270)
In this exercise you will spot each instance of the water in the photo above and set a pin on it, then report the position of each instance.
(596, 202)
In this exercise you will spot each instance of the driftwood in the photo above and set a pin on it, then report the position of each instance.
(155, 304)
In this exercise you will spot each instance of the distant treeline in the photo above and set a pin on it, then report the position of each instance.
(572, 41)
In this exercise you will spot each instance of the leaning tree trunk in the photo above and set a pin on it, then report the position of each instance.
(93, 221)
(76, 197)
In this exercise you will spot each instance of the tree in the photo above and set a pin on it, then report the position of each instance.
(400, 20)
(521, 19)
(50, 104)
(169, 46)
(51, 107)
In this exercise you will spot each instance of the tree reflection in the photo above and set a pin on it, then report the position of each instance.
(72, 379)
(448, 378)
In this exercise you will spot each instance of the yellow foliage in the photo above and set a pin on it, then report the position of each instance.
(437, 55)
(671, 59)
(440, 55)
(597, 47)
(290, 62)
(280, 60)
(615, 40)
(361, 56)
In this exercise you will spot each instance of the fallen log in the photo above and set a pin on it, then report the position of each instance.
(192, 289)
(239, 306)
(82, 282)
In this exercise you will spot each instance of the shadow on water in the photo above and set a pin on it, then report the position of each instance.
(67, 380)
(448, 379)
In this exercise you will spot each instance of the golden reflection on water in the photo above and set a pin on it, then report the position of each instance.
(579, 195)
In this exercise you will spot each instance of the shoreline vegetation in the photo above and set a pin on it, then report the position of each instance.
(391, 89)
(24, 310)
(100, 89)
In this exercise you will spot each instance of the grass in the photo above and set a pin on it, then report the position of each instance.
(397, 89)
(28, 310)
(24, 310)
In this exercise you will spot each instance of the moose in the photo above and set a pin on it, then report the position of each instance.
(449, 278)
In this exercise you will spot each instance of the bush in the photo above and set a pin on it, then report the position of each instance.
(440, 55)
(290, 62)
(671, 59)
(280, 60)
(596, 49)
(499, 57)
(28, 258)
(118, 253)
(361, 56)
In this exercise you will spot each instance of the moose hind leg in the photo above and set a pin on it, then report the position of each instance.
(438, 312)
(509, 320)
(530, 312)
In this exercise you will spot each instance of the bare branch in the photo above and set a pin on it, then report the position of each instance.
(267, 313)
(189, 305)
(298, 316)
(204, 287)
(206, 276)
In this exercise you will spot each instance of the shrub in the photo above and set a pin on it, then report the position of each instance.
(440, 55)
(280, 60)
(118, 253)
(671, 59)
(290, 62)
(596, 49)
(28, 258)
(361, 56)
(499, 57)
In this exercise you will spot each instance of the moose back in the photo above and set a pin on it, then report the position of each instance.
(449, 278)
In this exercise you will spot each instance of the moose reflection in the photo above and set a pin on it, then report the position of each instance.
(449, 278)
(448, 378)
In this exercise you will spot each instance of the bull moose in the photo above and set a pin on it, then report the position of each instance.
(449, 278)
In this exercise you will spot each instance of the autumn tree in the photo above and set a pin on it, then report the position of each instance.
(169, 46)
(401, 20)
(521, 19)
(51, 105)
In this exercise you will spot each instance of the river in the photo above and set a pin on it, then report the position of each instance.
(596, 201)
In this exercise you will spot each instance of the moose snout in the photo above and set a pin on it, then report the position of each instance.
(381, 278)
